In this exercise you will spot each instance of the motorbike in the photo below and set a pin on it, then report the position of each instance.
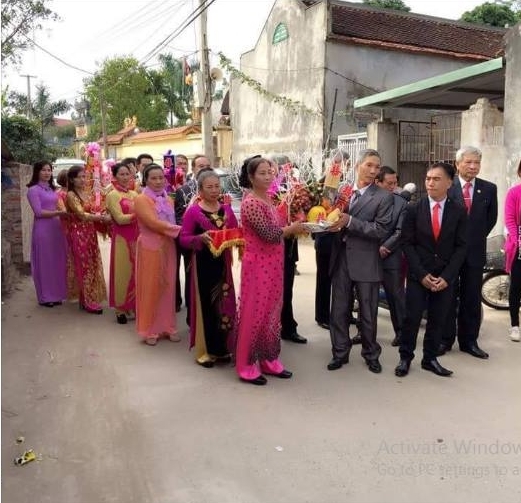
(496, 281)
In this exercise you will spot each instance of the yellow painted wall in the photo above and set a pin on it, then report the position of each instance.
(190, 146)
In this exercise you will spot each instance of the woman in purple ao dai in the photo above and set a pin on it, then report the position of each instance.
(48, 244)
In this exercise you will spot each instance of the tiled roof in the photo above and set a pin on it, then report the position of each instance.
(59, 122)
(117, 138)
(356, 23)
(166, 133)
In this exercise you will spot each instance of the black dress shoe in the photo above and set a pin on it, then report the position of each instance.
(396, 341)
(121, 319)
(357, 339)
(337, 363)
(374, 366)
(475, 350)
(47, 304)
(294, 337)
(434, 366)
(444, 348)
(224, 359)
(285, 374)
(258, 381)
(402, 369)
(323, 325)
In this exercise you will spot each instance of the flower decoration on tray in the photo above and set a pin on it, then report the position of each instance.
(293, 198)
(94, 187)
(333, 199)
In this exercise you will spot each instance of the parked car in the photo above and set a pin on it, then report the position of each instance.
(230, 185)
(65, 163)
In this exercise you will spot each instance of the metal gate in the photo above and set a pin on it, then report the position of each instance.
(445, 137)
(413, 153)
(353, 143)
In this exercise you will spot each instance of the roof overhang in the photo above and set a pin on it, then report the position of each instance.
(455, 90)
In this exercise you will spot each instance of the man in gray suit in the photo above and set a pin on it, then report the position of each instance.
(355, 261)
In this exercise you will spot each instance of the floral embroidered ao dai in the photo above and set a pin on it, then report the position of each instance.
(212, 302)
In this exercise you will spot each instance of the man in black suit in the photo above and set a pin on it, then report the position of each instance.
(355, 261)
(391, 254)
(479, 197)
(434, 238)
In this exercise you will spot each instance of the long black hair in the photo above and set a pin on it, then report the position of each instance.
(249, 167)
(35, 179)
(73, 173)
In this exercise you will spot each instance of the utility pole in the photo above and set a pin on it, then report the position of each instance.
(103, 123)
(29, 77)
(206, 108)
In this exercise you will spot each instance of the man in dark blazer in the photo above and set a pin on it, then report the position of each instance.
(355, 261)
(391, 254)
(434, 237)
(479, 197)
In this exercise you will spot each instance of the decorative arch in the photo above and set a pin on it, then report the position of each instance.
(280, 34)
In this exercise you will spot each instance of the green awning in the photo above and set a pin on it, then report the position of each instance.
(455, 90)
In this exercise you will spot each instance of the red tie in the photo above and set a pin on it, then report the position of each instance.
(466, 196)
(436, 221)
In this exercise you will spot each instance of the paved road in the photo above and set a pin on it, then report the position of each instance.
(113, 420)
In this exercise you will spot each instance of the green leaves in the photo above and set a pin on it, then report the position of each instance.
(20, 18)
(389, 4)
(498, 14)
(128, 90)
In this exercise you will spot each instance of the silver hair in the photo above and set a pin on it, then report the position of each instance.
(204, 175)
(363, 154)
(468, 150)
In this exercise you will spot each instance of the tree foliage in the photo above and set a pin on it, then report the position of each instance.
(25, 141)
(498, 14)
(127, 90)
(21, 18)
(171, 82)
(389, 4)
(41, 107)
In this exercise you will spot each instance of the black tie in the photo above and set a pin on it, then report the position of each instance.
(354, 199)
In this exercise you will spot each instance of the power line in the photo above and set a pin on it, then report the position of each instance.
(58, 58)
(189, 20)
(164, 17)
(148, 22)
(120, 26)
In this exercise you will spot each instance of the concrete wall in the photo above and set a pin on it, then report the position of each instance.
(482, 127)
(291, 68)
(358, 71)
(307, 68)
(17, 223)
(512, 114)
(382, 136)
